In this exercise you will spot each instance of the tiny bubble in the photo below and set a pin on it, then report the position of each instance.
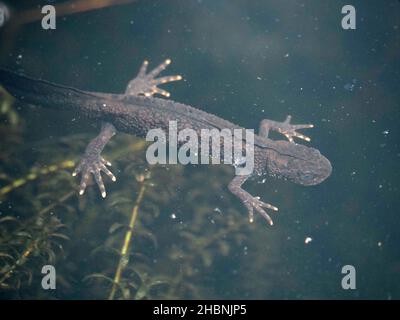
(349, 87)
(308, 240)
(216, 209)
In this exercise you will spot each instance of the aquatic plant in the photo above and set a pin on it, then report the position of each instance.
(155, 235)
(6, 109)
(36, 239)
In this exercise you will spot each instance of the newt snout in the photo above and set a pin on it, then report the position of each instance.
(320, 170)
(312, 170)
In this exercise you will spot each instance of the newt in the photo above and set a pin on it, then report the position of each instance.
(136, 111)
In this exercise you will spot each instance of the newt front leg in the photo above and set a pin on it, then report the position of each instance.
(235, 186)
(250, 202)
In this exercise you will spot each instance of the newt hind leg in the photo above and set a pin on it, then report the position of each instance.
(250, 202)
(146, 83)
(92, 163)
(285, 128)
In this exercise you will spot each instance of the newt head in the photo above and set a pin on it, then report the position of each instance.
(298, 163)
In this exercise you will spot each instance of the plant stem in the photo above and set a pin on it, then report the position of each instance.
(36, 174)
(125, 247)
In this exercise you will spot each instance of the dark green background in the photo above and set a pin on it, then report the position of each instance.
(246, 61)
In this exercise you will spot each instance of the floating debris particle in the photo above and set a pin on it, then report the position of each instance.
(216, 209)
(308, 240)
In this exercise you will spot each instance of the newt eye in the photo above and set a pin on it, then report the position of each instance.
(307, 176)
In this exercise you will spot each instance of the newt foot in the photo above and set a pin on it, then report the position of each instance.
(289, 130)
(146, 84)
(255, 203)
(285, 128)
(93, 165)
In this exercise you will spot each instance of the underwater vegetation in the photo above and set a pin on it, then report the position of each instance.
(168, 232)
(157, 235)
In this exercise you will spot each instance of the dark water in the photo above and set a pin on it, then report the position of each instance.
(243, 61)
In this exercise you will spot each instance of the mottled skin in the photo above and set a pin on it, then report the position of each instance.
(137, 111)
